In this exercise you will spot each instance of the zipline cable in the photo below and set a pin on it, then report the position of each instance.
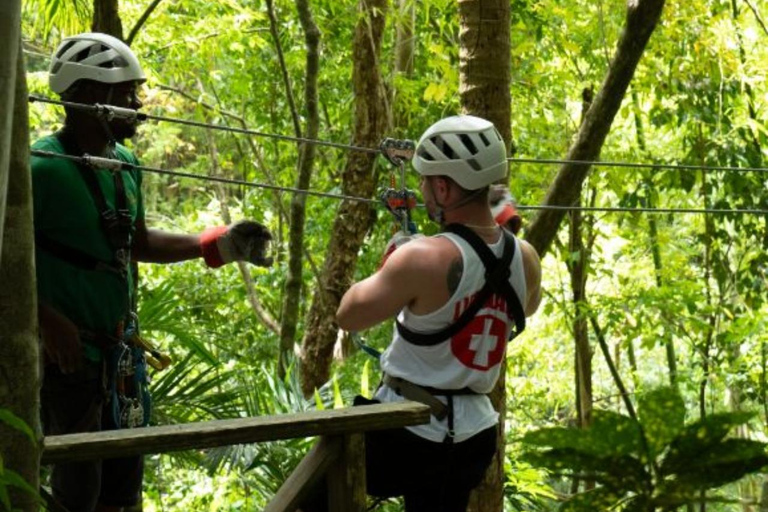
(115, 165)
(637, 165)
(110, 111)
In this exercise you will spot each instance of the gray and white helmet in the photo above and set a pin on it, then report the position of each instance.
(92, 56)
(467, 149)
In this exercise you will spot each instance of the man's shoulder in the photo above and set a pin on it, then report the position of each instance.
(49, 144)
(429, 253)
(125, 154)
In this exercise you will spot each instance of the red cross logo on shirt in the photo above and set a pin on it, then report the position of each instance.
(480, 345)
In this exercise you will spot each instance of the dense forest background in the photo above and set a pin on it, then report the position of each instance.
(678, 298)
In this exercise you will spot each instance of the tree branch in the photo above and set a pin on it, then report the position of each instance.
(298, 202)
(642, 17)
(142, 20)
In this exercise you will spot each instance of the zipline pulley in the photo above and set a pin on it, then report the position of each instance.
(399, 201)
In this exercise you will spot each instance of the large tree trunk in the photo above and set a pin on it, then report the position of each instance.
(484, 82)
(19, 361)
(106, 18)
(484, 62)
(358, 179)
(10, 27)
(642, 17)
(298, 202)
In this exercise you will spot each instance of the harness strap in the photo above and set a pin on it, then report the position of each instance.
(116, 223)
(73, 256)
(497, 274)
(425, 394)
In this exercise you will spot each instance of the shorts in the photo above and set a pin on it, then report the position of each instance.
(75, 403)
(436, 477)
(432, 477)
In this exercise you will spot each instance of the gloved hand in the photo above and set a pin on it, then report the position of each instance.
(503, 209)
(398, 240)
(244, 240)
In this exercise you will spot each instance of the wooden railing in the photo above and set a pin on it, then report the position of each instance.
(339, 453)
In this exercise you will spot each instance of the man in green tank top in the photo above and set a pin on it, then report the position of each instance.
(89, 226)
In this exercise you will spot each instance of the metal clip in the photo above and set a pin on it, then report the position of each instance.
(110, 112)
(397, 151)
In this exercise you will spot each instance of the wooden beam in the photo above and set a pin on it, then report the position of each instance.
(169, 438)
(346, 477)
(306, 475)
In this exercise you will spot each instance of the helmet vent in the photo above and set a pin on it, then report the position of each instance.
(82, 55)
(474, 164)
(484, 139)
(423, 153)
(56, 67)
(64, 48)
(444, 147)
(468, 143)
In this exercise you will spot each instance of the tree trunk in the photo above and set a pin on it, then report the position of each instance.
(642, 17)
(298, 202)
(19, 361)
(484, 82)
(106, 18)
(484, 62)
(10, 27)
(358, 179)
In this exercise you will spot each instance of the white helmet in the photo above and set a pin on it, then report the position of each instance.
(98, 57)
(467, 149)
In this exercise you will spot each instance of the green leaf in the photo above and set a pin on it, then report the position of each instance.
(614, 434)
(600, 498)
(558, 437)
(14, 421)
(14, 479)
(700, 436)
(621, 474)
(661, 413)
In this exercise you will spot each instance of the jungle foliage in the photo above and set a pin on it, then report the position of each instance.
(696, 283)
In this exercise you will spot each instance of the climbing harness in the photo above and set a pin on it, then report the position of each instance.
(116, 223)
(497, 274)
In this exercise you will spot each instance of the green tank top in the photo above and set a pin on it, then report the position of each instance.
(64, 211)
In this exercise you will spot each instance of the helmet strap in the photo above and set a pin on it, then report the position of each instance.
(439, 215)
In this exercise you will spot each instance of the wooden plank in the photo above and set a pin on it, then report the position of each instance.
(169, 438)
(346, 477)
(306, 475)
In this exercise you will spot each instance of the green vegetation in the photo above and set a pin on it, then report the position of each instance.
(694, 283)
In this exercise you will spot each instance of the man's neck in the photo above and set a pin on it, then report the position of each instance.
(477, 217)
(91, 140)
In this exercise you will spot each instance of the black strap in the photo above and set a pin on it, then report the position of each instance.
(116, 224)
(73, 256)
(497, 274)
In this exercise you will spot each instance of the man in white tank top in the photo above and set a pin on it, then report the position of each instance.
(427, 285)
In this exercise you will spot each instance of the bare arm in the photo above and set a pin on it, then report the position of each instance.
(155, 246)
(384, 294)
(532, 266)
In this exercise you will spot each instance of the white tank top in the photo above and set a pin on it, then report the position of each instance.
(470, 359)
